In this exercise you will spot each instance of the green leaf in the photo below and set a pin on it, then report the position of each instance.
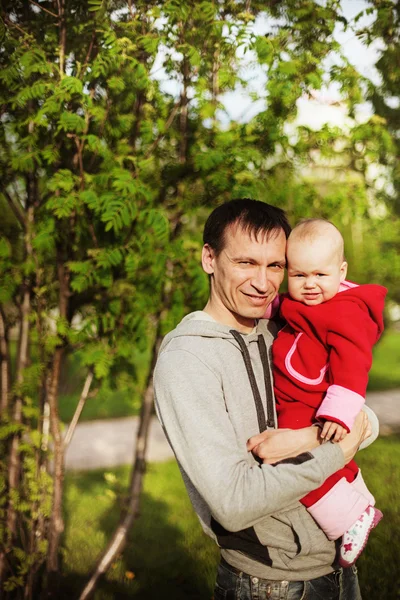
(73, 85)
(95, 5)
(63, 180)
(71, 122)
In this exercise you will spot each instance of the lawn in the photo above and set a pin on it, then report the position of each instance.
(385, 372)
(169, 556)
(123, 399)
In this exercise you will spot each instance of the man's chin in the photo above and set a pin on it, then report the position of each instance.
(258, 312)
(261, 309)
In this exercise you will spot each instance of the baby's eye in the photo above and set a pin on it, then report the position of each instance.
(321, 274)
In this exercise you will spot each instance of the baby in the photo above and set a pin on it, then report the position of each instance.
(321, 360)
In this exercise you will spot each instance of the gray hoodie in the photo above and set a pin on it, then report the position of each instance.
(207, 405)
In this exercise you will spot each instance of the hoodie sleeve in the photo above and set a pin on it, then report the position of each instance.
(190, 405)
(350, 338)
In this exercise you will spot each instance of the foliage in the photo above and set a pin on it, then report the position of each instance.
(384, 94)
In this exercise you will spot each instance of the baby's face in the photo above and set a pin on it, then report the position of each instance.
(315, 271)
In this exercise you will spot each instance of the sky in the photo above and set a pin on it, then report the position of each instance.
(316, 112)
(311, 112)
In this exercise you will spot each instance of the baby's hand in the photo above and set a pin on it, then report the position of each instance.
(333, 431)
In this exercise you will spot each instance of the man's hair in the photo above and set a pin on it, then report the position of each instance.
(252, 216)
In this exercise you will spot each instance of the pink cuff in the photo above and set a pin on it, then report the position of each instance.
(340, 404)
(336, 512)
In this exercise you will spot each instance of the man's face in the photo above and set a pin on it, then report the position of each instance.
(246, 276)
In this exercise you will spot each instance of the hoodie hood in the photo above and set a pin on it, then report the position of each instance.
(369, 297)
(201, 324)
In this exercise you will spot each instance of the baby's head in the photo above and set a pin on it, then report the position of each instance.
(315, 261)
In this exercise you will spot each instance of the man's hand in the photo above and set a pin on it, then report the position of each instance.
(277, 444)
(333, 431)
(361, 431)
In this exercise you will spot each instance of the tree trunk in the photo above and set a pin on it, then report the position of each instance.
(4, 365)
(14, 462)
(36, 531)
(56, 526)
(119, 538)
(56, 522)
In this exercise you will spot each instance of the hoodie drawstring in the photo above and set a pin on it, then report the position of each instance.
(262, 422)
(267, 380)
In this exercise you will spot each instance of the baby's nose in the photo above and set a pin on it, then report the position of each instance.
(310, 282)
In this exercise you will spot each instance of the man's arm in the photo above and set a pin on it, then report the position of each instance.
(239, 492)
(279, 444)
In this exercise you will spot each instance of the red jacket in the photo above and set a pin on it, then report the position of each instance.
(321, 360)
(322, 356)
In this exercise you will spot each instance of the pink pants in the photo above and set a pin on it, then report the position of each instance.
(345, 502)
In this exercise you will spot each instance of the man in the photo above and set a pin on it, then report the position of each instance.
(213, 392)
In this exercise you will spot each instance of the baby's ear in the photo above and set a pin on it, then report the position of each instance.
(343, 271)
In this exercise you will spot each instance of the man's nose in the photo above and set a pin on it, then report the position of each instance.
(260, 280)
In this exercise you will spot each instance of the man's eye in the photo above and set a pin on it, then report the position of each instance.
(276, 267)
(244, 262)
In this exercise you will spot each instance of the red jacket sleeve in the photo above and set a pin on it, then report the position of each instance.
(350, 337)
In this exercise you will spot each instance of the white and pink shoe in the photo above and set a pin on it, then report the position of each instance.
(355, 538)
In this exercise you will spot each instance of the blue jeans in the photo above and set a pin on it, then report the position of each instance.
(232, 584)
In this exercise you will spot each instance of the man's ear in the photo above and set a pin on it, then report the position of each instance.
(207, 259)
(343, 271)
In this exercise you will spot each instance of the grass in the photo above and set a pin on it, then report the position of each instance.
(385, 372)
(121, 400)
(378, 566)
(168, 556)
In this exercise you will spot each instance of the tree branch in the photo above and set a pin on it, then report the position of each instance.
(44, 9)
(11, 24)
(131, 9)
(18, 212)
(63, 34)
(167, 126)
(79, 408)
(88, 54)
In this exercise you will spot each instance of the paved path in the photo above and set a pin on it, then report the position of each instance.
(109, 443)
